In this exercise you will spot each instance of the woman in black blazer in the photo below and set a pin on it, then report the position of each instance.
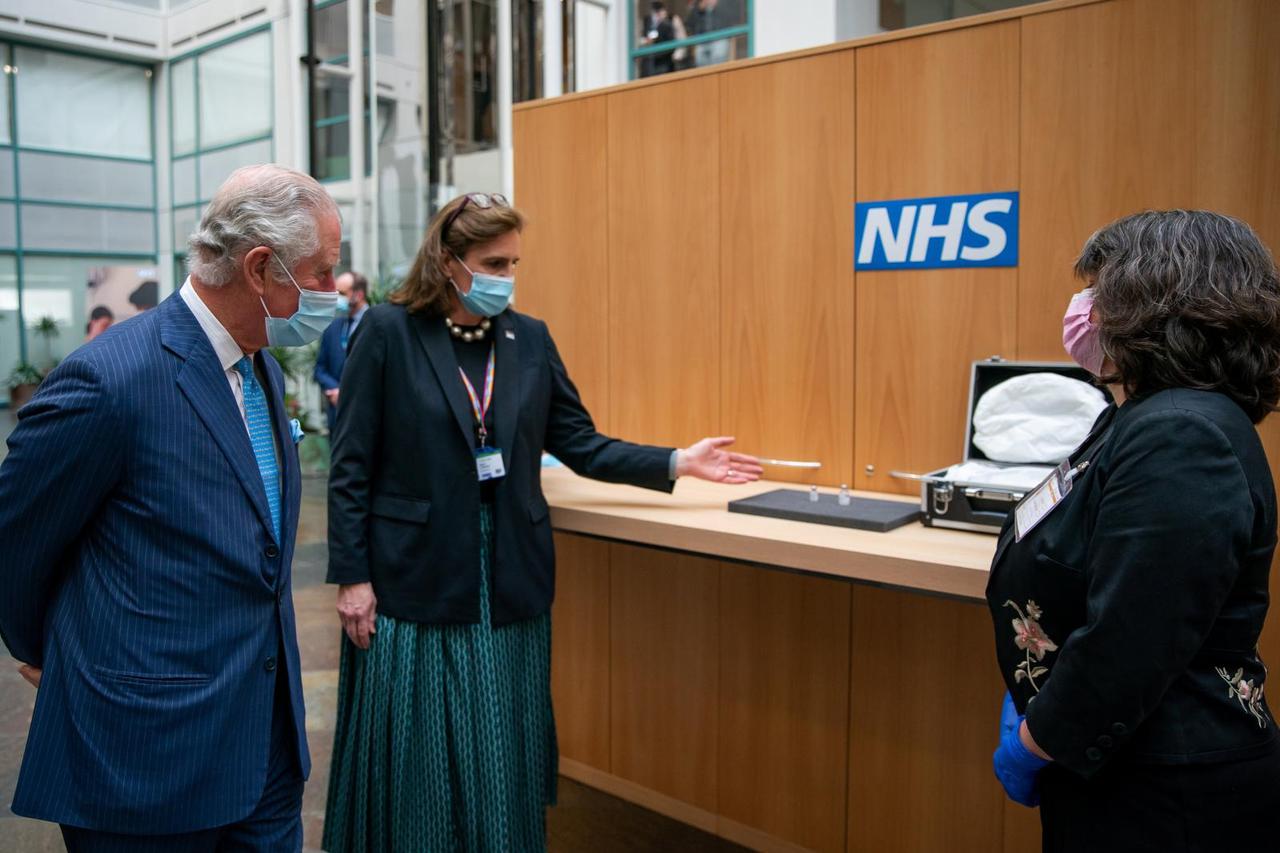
(1127, 614)
(440, 539)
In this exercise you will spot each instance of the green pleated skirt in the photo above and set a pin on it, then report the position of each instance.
(444, 739)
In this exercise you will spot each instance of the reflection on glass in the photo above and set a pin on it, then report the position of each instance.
(711, 53)
(235, 91)
(331, 33)
(10, 322)
(182, 82)
(333, 157)
(89, 106)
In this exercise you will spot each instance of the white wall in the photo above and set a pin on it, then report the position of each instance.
(783, 25)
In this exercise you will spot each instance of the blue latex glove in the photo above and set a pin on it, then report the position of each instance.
(1017, 767)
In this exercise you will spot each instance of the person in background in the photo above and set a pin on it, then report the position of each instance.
(657, 28)
(148, 506)
(703, 18)
(441, 544)
(1128, 602)
(145, 296)
(100, 319)
(353, 301)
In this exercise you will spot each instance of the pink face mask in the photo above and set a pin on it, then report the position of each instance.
(1080, 335)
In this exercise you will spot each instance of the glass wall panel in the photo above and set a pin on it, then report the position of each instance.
(8, 226)
(214, 168)
(331, 33)
(182, 105)
(235, 91)
(48, 228)
(184, 181)
(55, 298)
(185, 220)
(6, 175)
(5, 59)
(90, 106)
(10, 322)
(58, 177)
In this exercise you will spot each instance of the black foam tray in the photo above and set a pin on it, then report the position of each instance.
(860, 514)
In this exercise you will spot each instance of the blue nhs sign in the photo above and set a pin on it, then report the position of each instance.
(928, 233)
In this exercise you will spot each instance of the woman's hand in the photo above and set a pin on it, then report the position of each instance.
(30, 673)
(707, 460)
(358, 610)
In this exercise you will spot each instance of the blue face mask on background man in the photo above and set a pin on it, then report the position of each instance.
(489, 295)
(316, 310)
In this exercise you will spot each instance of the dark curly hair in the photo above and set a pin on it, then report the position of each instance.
(1187, 299)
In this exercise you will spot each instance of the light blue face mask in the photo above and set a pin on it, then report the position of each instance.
(489, 295)
(344, 304)
(316, 310)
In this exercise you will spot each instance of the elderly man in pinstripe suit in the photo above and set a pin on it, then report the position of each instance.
(148, 507)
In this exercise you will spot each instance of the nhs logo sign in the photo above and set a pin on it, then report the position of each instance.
(929, 233)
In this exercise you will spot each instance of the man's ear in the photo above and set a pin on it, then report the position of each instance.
(255, 270)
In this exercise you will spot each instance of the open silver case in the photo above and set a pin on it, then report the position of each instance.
(971, 505)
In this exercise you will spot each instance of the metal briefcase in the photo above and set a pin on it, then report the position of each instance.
(982, 507)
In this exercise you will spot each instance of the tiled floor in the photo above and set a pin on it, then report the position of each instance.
(585, 820)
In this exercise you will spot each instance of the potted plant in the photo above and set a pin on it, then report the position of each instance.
(22, 384)
(46, 328)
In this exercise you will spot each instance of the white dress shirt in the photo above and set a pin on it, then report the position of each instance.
(224, 346)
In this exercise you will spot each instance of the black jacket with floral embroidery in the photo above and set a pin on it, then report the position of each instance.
(1127, 621)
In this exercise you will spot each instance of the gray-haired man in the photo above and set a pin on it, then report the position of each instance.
(148, 507)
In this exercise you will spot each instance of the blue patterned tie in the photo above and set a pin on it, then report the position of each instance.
(258, 417)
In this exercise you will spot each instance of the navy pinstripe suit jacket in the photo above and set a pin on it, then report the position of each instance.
(140, 570)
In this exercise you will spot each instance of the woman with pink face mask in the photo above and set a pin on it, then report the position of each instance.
(1129, 591)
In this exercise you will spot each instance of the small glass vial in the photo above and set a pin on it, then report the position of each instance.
(843, 499)
(813, 494)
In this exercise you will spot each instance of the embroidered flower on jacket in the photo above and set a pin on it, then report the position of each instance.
(1031, 638)
(1246, 693)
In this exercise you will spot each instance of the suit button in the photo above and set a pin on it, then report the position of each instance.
(272, 551)
(1119, 729)
(270, 666)
(1105, 741)
(1093, 754)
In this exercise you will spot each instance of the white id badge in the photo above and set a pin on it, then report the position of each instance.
(1032, 509)
(489, 464)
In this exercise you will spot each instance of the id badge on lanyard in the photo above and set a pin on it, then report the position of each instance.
(488, 459)
(1044, 498)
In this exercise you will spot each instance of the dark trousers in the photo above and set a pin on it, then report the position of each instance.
(274, 826)
(1152, 808)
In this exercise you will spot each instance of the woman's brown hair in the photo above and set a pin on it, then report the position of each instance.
(1187, 299)
(426, 289)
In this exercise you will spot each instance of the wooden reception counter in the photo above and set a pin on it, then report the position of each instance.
(694, 519)
(788, 686)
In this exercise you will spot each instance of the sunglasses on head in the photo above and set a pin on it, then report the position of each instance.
(483, 201)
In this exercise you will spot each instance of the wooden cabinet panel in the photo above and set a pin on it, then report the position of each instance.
(664, 262)
(925, 720)
(935, 116)
(784, 699)
(561, 158)
(580, 649)
(786, 212)
(1136, 105)
(665, 672)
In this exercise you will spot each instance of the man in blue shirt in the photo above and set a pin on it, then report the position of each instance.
(353, 288)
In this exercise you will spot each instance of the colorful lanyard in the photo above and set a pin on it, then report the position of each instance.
(477, 408)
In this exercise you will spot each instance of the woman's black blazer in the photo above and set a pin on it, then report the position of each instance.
(404, 500)
(1127, 622)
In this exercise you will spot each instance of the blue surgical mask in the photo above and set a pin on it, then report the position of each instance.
(316, 310)
(344, 304)
(489, 295)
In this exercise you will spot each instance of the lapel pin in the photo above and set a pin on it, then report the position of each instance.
(511, 335)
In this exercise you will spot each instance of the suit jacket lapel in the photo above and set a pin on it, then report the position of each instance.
(434, 338)
(288, 455)
(204, 383)
(506, 384)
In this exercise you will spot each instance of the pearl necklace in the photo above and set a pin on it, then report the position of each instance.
(468, 335)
